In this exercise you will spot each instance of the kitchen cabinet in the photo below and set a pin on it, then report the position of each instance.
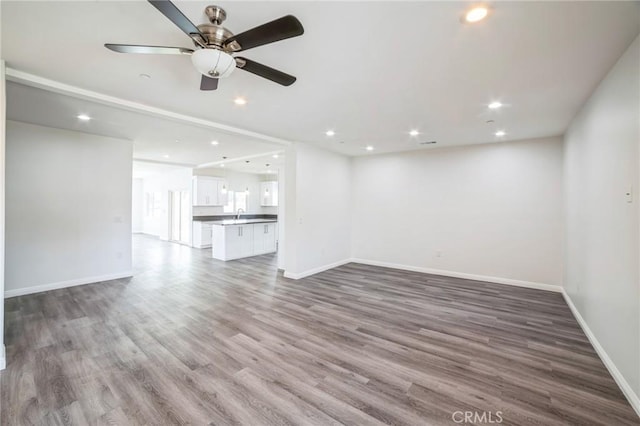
(269, 194)
(202, 234)
(238, 241)
(209, 191)
(264, 238)
(243, 240)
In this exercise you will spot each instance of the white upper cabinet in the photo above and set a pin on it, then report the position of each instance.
(269, 194)
(209, 191)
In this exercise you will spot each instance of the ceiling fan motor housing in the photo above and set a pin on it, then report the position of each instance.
(214, 32)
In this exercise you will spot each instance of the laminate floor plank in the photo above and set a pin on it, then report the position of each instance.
(193, 340)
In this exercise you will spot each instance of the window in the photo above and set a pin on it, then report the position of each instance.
(235, 200)
(153, 205)
(228, 208)
(241, 201)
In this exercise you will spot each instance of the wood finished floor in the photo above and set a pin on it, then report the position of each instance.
(192, 340)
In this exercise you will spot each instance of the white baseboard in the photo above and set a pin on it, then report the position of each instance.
(64, 284)
(497, 280)
(297, 276)
(627, 390)
(3, 358)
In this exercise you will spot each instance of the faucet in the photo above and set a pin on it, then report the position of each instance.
(239, 210)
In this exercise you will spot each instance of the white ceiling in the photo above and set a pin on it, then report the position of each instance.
(260, 164)
(144, 169)
(369, 70)
(153, 137)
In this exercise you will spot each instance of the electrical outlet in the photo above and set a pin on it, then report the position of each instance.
(438, 253)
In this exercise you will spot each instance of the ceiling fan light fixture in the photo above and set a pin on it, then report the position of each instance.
(213, 63)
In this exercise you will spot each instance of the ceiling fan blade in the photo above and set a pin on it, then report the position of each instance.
(157, 50)
(207, 83)
(170, 10)
(280, 29)
(265, 71)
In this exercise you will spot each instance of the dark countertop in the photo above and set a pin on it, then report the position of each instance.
(226, 222)
(221, 217)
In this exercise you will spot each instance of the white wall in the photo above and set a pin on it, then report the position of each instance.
(161, 184)
(319, 207)
(68, 215)
(492, 210)
(281, 211)
(602, 256)
(137, 206)
(289, 256)
(3, 104)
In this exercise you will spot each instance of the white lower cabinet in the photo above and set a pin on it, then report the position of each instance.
(202, 232)
(264, 238)
(238, 241)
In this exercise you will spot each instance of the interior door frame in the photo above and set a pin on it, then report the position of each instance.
(172, 193)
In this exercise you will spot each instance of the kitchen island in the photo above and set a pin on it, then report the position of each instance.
(238, 238)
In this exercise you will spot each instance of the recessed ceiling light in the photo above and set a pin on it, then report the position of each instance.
(214, 142)
(84, 117)
(240, 101)
(414, 132)
(369, 148)
(476, 14)
(495, 105)
(275, 155)
(500, 133)
(166, 156)
(330, 133)
(145, 76)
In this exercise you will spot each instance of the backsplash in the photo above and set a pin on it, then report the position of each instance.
(207, 211)
(218, 210)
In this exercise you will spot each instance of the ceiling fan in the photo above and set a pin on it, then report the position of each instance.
(215, 44)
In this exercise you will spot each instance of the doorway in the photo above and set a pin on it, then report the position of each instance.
(179, 216)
